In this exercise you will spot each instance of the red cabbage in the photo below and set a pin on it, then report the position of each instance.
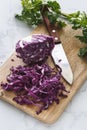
(35, 49)
(38, 85)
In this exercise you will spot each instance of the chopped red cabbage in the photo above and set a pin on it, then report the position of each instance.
(38, 85)
(35, 49)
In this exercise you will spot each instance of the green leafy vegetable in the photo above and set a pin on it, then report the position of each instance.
(83, 38)
(31, 12)
(83, 52)
(79, 20)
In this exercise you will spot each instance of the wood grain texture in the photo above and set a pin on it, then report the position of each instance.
(71, 46)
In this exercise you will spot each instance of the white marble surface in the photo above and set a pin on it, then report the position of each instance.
(11, 30)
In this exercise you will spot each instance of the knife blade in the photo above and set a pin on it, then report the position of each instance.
(58, 54)
(61, 60)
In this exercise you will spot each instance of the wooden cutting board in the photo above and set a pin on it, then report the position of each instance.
(79, 67)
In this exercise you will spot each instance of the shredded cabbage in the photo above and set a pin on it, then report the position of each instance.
(39, 85)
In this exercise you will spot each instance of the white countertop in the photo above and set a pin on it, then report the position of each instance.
(11, 30)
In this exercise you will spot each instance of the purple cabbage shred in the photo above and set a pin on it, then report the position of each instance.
(39, 85)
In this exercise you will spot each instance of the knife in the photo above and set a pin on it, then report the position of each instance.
(58, 54)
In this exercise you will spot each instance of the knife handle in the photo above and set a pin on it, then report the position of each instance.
(51, 28)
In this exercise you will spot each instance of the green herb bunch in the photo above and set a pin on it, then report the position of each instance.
(31, 12)
(79, 21)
